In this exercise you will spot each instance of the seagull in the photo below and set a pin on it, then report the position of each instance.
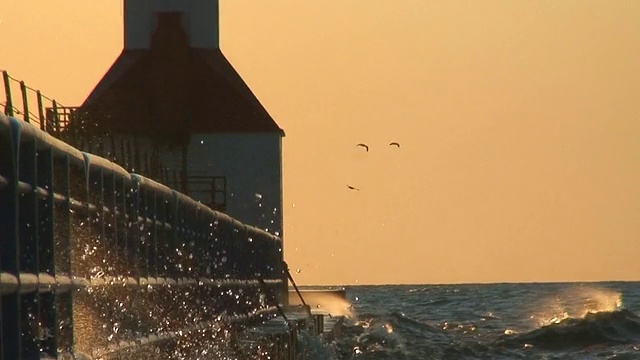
(353, 188)
(394, 144)
(364, 146)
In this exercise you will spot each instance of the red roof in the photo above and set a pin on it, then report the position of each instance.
(174, 89)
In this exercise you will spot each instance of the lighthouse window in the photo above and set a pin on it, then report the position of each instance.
(220, 193)
(209, 190)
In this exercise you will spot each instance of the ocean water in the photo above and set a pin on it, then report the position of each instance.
(493, 321)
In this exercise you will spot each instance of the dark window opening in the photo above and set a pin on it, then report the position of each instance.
(209, 190)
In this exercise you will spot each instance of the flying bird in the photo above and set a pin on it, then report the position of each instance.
(394, 144)
(364, 146)
(353, 188)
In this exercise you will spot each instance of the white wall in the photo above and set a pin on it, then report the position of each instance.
(200, 18)
(251, 163)
(204, 24)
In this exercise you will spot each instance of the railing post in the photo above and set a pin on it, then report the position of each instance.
(131, 166)
(123, 156)
(133, 245)
(56, 119)
(5, 150)
(147, 170)
(152, 203)
(173, 239)
(137, 247)
(176, 183)
(29, 247)
(137, 163)
(8, 108)
(9, 246)
(41, 111)
(111, 234)
(121, 225)
(63, 243)
(183, 173)
(46, 254)
(25, 101)
(159, 236)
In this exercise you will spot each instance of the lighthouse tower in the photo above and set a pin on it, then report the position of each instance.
(172, 93)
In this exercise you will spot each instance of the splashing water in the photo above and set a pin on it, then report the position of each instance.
(493, 321)
(330, 302)
(577, 302)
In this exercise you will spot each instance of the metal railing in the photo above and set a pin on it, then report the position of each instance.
(55, 119)
(99, 261)
(47, 114)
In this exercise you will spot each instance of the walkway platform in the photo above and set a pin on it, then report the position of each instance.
(277, 337)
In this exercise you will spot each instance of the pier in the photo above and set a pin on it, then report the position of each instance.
(98, 262)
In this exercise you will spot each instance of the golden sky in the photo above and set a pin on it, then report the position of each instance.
(519, 125)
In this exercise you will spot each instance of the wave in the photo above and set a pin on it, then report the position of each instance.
(389, 336)
(594, 329)
(583, 320)
(557, 321)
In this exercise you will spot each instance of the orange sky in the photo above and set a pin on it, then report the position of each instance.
(519, 123)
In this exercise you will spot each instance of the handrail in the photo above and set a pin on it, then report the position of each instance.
(100, 232)
(56, 119)
(13, 106)
(26, 283)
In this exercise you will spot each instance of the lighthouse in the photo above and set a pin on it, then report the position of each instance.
(173, 95)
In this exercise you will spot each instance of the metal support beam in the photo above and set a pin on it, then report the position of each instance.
(8, 106)
(9, 246)
(25, 102)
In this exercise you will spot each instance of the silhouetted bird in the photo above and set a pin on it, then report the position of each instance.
(364, 146)
(353, 188)
(394, 144)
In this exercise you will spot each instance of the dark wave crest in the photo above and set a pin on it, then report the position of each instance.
(595, 329)
(396, 336)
